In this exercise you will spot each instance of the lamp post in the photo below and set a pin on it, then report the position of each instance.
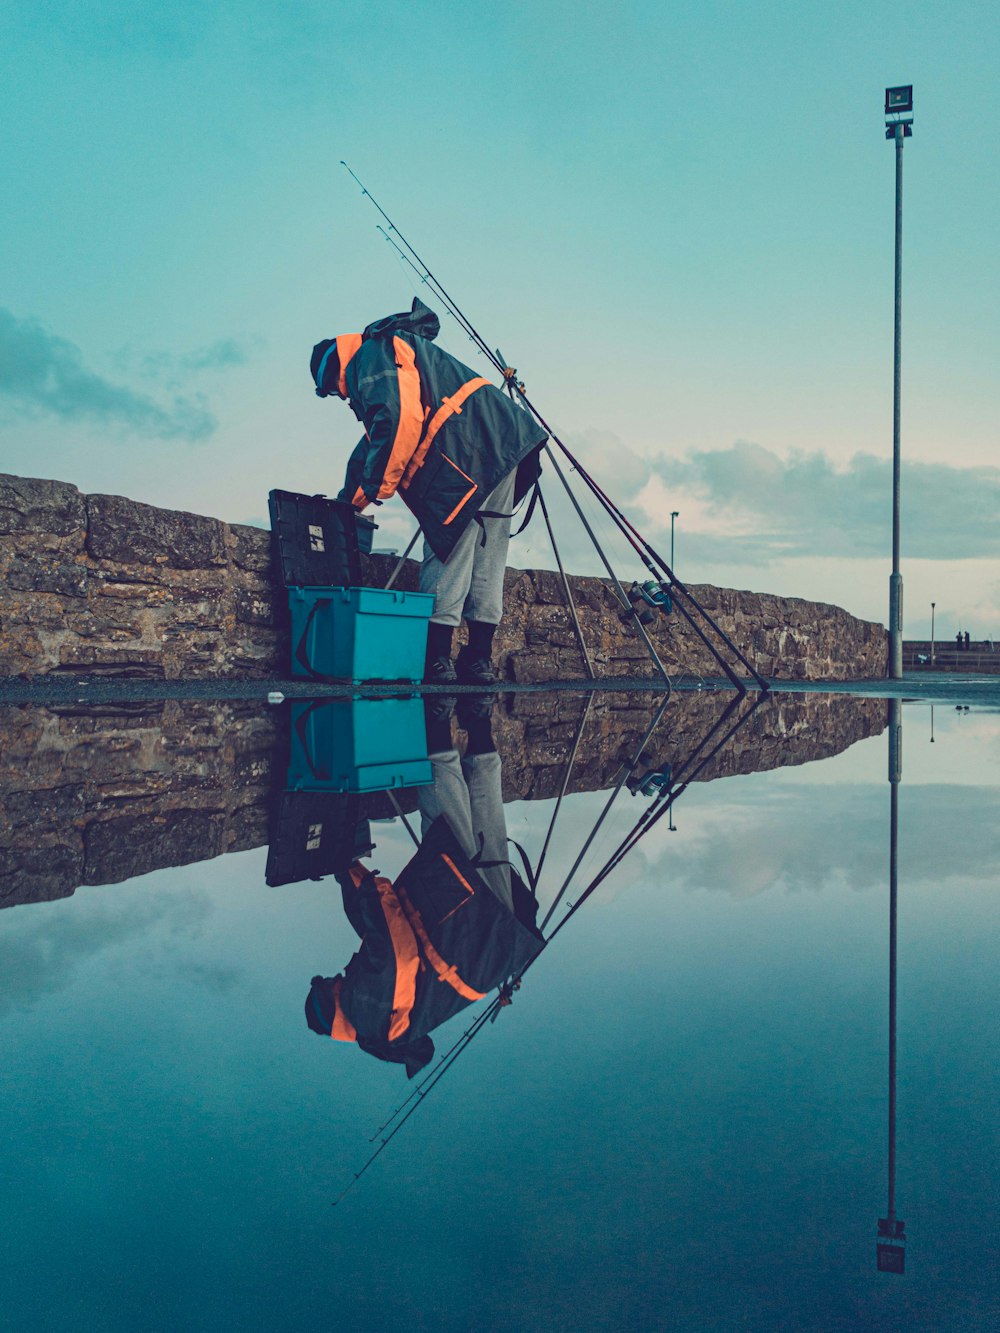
(933, 604)
(890, 1246)
(898, 101)
(674, 513)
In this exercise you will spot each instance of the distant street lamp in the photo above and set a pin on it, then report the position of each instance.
(674, 513)
(898, 101)
(933, 604)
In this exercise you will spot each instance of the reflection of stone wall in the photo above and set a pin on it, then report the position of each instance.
(102, 584)
(102, 795)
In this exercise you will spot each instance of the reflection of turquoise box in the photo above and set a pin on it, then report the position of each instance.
(359, 633)
(358, 745)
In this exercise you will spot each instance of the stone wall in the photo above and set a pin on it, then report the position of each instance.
(100, 795)
(97, 584)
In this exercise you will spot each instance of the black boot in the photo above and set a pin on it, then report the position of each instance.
(438, 712)
(474, 665)
(439, 669)
(475, 715)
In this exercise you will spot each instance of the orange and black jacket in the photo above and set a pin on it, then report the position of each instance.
(435, 431)
(432, 943)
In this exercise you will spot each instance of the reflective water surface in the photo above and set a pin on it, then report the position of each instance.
(681, 1119)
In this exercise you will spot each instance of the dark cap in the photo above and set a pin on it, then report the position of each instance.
(324, 366)
(321, 1005)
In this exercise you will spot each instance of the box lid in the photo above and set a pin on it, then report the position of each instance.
(316, 539)
(314, 834)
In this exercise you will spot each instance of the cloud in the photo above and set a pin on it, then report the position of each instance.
(749, 506)
(43, 373)
(219, 355)
(804, 505)
(43, 951)
(794, 843)
(171, 369)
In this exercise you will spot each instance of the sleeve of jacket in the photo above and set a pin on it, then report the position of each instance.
(355, 468)
(388, 392)
(361, 907)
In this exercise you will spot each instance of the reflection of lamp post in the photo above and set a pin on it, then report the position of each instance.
(890, 1254)
(932, 724)
(897, 101)
(673, 514)
(933, 604)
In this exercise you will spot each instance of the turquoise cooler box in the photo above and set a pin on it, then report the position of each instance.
(358, 745)
(359, 634)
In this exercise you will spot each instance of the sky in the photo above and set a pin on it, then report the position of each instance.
(676, 220)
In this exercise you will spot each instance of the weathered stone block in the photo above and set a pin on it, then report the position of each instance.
(253, 608)
(133, 533)
(102, 659)
(33, 505)
(38, 573)
(251, 548)
(39, 873)
(117, 849)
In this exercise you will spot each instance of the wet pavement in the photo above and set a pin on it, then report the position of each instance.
(682, 1099)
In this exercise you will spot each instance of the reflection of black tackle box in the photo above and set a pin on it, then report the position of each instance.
(318, 542)
(315, 834)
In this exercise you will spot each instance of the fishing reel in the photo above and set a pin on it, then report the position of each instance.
(647, 600)
(650, 783)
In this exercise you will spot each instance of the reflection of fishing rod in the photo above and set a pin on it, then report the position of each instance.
(643, 825)
(650, 557)
(422, 1089)
(562, 790)
(604, 813)
(663, 802)
(534, 874)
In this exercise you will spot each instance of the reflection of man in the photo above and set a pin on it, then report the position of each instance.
(461, 455)
(457, 922)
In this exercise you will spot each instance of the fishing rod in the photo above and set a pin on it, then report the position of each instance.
(643, 825)
(585, 713)
(640, 544)
(605, 812)
(410, 1104)
(516, 388)
(563, 788)
(655, 813)
(675, 584)
(645, 819)
(421, 1092)
(534, 873)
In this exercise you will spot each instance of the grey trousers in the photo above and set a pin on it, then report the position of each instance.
(467, 792)
(470, 584)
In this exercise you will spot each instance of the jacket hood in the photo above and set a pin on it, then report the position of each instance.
(419, 320)
(331, 357)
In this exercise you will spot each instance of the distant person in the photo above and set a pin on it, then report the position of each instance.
(958, 639)
(460, 452)
(967, 641)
